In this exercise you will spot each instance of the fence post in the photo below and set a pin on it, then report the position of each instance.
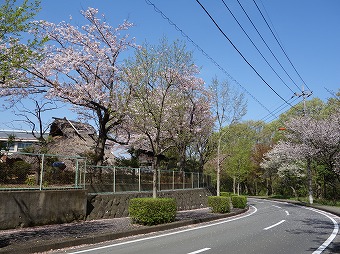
(84, 180)
(159, 179)
(183, 180)
(139, 183)
(192, 180)
(114, 179)
(173, 179)
(77, 174)
(41, 171)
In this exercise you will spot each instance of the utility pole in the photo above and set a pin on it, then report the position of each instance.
(304, 94)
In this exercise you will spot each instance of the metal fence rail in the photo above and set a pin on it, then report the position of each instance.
(27, 171)
(121, 179)
(42, 171)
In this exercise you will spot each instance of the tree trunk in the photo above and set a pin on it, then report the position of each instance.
(155, 176)
(310, 187)
(218, 167)
(234, 184)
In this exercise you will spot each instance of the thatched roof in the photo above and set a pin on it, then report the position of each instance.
(70, 137)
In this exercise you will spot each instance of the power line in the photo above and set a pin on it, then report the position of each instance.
(207, 56)
(238, 51)
(258, 50)
(258, 32)
(280, 45)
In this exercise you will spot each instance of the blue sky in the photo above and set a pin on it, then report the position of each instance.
(308, 30)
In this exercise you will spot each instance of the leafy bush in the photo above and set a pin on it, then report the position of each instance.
(30, 180)
(20, 170)
(219, 204)
(152, 211)
(226, 194)
(239, 201)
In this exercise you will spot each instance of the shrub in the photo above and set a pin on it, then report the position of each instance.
(219, 204)
(239, 201)
(226, 194)
(30, 180)
(152, 211)
(20, 170)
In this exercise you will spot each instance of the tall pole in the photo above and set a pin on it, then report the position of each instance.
(304, 94)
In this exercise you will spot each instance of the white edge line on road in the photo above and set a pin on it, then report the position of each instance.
(328, 215)
(199, 251)
(287, 212)
(332, 236)
(168, 234)
(276, 224)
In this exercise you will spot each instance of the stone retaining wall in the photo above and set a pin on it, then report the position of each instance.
(104, 206)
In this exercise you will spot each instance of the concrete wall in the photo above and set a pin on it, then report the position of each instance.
(31, 208)
(104, 206)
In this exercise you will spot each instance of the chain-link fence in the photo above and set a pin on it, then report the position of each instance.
(121, 179)
(42, 171)
(47, 171)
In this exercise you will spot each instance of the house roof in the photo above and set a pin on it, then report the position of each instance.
(19, 135)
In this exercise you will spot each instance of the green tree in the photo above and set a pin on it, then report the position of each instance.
(14, 23)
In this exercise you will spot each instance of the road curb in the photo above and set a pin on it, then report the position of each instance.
(55, 244)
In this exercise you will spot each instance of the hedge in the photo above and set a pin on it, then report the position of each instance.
(219, 204)
(152, 211)
(239, 201)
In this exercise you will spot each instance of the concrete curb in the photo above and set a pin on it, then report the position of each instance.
(66, 243)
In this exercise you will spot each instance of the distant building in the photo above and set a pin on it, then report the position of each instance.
(22, 139)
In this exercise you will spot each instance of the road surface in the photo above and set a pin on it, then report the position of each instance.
(268, 227)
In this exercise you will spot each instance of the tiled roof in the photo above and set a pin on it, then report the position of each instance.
(19, 135)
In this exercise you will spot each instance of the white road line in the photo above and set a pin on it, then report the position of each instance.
(332, 236)
(287, 213)
(199, 251)
(328, 215)
(167, 234)
(277, 206)
(274, 225)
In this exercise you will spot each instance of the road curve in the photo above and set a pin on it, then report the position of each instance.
(268, 227)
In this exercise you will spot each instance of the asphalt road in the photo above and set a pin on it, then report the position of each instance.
(268, 227)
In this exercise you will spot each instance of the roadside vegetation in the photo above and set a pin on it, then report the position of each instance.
(155, 103)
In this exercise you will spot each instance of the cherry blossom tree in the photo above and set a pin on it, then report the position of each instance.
(310, 140)
(228, 106)
(161, 112)
(193, 118)
(79, 66)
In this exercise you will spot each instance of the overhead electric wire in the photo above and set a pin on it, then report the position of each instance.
(277, 110)
(264, 41)
(258, 50)
(271, 113)
(280, 45)
(243, 57)
(206, 55)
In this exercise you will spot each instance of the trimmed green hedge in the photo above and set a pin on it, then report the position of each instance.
(219, 204)
(226, 194)
(152, 211)
(239, 201)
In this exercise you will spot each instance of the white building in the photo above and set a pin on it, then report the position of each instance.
(22, 139)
